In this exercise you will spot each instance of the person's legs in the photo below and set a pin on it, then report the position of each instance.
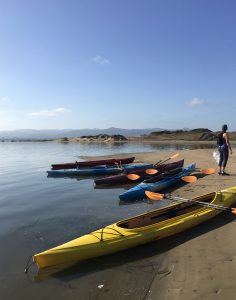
(225, 160)
(220, 162)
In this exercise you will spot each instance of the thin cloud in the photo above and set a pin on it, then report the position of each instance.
(49, 113)
(5, 99)
(195, 102)
(98, 59)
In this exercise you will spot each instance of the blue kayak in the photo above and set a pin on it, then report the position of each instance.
(138, 192)
(101, 170)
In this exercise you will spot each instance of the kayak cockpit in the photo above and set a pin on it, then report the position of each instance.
(165, 213)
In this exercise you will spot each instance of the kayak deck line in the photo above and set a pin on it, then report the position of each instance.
(102, 232)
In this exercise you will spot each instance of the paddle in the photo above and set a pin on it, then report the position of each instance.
(208, 171)
(150, 171)
(204, 171)
(188, 179)
(163, 161)
(132, 176)
(157, 196)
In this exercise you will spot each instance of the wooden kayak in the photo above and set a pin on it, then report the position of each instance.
(123, 179)
(138, 191)
(98, 170)
(140, 229)
(93, 163)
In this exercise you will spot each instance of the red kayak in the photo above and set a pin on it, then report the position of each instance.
(93, 163)
(123, 179)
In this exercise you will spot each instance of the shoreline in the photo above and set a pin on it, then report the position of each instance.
(140, 141)
(129, 140)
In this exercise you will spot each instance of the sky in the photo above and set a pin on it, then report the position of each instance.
(76, 64)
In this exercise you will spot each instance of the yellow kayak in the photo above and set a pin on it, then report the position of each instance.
(141, 229)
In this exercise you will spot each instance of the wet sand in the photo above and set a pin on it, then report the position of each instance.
(197, 264)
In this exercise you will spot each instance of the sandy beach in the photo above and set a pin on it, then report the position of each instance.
(197, 264)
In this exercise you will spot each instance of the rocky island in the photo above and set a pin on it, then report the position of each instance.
(195, 135)
(199, 135)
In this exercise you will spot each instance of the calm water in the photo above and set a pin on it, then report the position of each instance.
(37, 213)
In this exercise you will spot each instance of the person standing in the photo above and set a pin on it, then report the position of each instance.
(224, 147)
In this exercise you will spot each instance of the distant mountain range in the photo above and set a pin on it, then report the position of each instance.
(72, 133)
